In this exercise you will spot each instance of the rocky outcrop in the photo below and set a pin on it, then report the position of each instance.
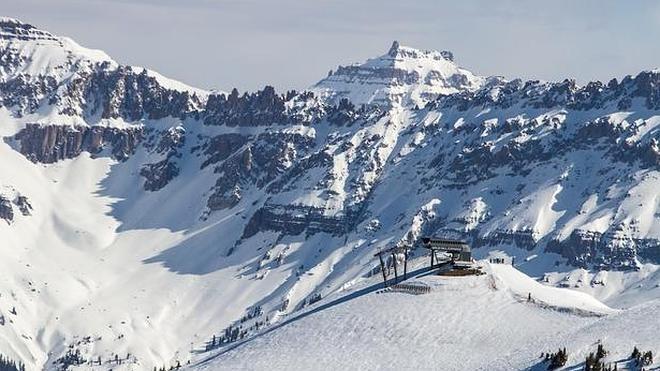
(24, 95)
(12, 29)
(523, 239)
(220, 147)
(294, 220)
(609, 251)
(10, 198)
(51, 143)
(6, 210)
(251, 162)
(158, 175)
(39, 69)
(24, 205)
(499, 93)
(123, 93)
(261, 108)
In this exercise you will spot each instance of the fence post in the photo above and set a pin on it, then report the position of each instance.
(382, 269)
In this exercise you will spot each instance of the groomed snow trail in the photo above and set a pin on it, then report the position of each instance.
(468, 323)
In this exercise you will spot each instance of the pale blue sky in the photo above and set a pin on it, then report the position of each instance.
(293, 43)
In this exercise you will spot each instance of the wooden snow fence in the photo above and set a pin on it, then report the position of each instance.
(411, 288)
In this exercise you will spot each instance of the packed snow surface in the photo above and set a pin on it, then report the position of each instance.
(464, 323)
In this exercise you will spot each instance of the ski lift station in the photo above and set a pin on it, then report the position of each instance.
(449, 257)
(459, 251)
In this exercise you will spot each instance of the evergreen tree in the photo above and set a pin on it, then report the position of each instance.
(647, 358)
(557, 360)
(7, 364)
(635, 353)
(589, 362)
(600, 352)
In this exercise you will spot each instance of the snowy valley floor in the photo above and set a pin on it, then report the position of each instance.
(469, 323)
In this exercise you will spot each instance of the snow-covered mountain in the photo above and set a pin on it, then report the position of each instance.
(403, 76)
(142, 216)
(57, 80)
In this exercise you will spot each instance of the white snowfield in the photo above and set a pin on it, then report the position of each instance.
(465, 323)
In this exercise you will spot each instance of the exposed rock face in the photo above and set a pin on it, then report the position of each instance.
(10, 197)
(51, 143)
(261, 108)
(6, 210)
(567, 94)
(25, 95)
(524, 239)
(23, 205)
(12, 29)
(294, 220)
(158, 175)
(605, 251)
(349, 163)
(255, 162)
(222, 146)
(123, 93)
(517, 163)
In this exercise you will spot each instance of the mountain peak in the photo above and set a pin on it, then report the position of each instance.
(9, 20)
(34, 52)
(12, 28)
(399, 51)
(31, 51)
(402, 75)
(394, 49)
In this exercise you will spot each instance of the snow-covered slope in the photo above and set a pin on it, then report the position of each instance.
(142, 216)
(469, 323)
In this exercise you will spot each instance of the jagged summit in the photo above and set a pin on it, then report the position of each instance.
(11, 28)
(29, 51)
(29, 56)
(399, 51)
(5, 19)
(394, 49)
(401, 76)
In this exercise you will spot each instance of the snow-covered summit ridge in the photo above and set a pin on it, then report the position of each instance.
(32, 51)
(399, 51)
(13, 28)
(28, 53)
(403, 75)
